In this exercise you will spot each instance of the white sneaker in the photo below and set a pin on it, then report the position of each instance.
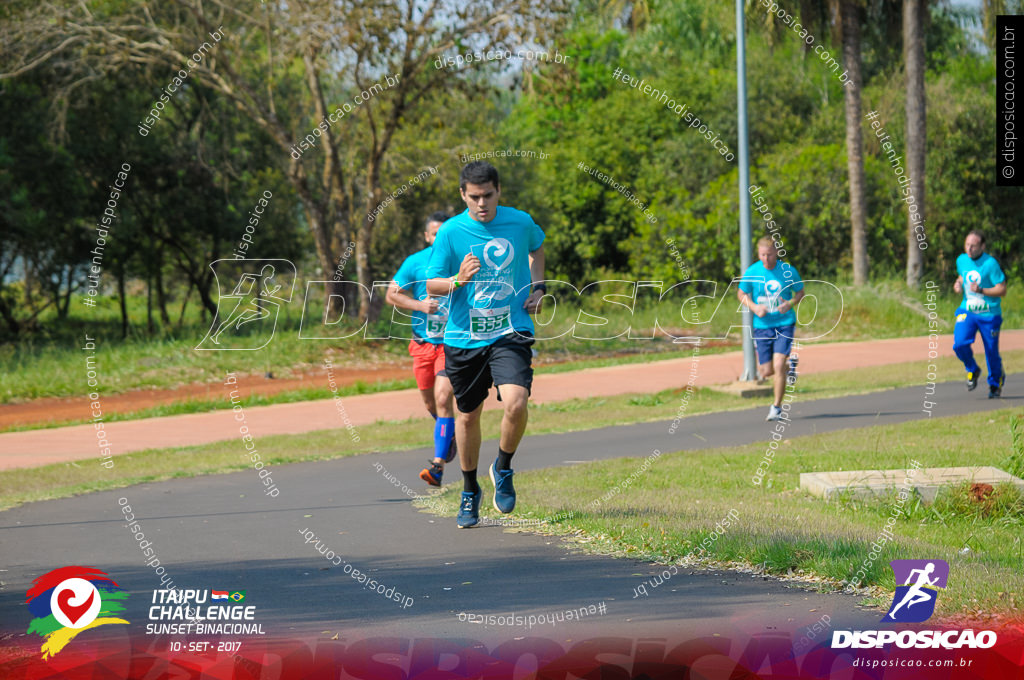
(774, 413)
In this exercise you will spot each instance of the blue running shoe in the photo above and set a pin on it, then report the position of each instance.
(469, 510)
(504, 492)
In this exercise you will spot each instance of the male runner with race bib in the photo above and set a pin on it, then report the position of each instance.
(488, 259)
(772, 289)
(982, 283)
(408, 291)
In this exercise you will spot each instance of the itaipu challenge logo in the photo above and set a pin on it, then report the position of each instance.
(914, 601)
(70, 600)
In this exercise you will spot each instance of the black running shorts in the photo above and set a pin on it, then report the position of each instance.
(508, 361)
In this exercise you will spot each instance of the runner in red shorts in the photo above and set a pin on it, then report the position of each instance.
(408, 291)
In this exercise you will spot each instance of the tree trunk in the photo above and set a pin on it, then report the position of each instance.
(165, 317)
(149, 305)
(7, 314)
(64, 304)
(203, 285)
(161, 294)
(30, 284)
(809, 18)
(364, 238)
(913, 55)
(363, 269)
(124, 303)
(319, 226)
(325, 255)
(854, 149)
(184, 304)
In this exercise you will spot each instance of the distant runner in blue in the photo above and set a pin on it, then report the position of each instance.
(771, 289)
(982, 282)
(490, 261)
(408, 291)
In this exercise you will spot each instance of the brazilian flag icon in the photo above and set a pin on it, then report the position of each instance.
(237, 595)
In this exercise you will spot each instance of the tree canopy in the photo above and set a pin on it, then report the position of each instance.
(334, 107)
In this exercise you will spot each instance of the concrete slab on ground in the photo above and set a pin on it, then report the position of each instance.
(747, 389)
(926, 481)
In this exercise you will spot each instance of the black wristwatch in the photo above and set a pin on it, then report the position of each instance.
(540, 286)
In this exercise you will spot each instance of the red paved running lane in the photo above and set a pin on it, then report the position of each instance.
(42, 447)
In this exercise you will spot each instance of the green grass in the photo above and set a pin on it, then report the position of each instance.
(67, 479)
(666, 514)
(1004, 504)
(661, 517)
(818, 386)
(1014, 461)
(55, 366)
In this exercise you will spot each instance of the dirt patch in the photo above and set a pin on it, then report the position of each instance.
(63, 409)
(980, 491)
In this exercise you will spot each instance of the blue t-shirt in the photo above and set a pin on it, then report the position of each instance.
(769, 287)
(491, 304)
(986, 273)
(412, 277)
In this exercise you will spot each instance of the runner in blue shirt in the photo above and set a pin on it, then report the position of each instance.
(408, 291)
(488, 259)
(772, 289)
(982, 282)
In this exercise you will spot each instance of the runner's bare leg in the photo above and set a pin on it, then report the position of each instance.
(513, 422)
(467, 437)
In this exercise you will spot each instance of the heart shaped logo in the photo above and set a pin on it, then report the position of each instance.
(973, 276)
(498, 248)
(73, 612)
(773, 288)
(75, 603)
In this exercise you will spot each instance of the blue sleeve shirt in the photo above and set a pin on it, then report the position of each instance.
(412, 278)
(491, 305)
(769, 287)
(986, 273)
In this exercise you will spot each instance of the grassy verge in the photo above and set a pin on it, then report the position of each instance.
(819, 386)
(657, 352)
(178, 408)
(68, 479)
(664, 516)
(56, 367)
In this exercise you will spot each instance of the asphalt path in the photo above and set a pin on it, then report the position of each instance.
(222, 532)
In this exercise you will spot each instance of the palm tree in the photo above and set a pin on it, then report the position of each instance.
(914, 16)
(849, 11)
(990, 9)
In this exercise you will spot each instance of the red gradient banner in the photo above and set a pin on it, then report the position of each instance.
(769, 656)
